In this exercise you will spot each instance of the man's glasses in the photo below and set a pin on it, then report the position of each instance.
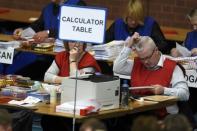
(148, 57)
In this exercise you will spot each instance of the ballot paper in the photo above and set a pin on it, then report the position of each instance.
(29, 101)
(109, 50)
(183, 50)
(28, 33)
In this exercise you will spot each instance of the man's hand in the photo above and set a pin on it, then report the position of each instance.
(74, 53)
(17, 33)
(40, 36)
(130, 41)
(158, 89)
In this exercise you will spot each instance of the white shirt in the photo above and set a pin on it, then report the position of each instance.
(179, 85)
(53, 72)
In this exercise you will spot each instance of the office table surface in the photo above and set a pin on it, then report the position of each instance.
(174, 34)
(37, 52)
(158, 101)
(134, 107)
(4, 37)
(19, 15)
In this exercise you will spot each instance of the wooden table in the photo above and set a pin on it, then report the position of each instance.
(135, 107)
(37, 52)
(19, 15)
(4, 37)
(174, 34)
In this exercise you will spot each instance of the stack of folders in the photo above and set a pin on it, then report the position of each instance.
(17, 92)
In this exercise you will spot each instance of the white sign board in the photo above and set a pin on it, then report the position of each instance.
(6, 55)
(82, 24)
(191, 77)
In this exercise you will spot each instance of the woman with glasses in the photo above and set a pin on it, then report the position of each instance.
(66, 63)
(135, 21)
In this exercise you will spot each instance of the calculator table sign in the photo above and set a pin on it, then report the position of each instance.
(85, 24)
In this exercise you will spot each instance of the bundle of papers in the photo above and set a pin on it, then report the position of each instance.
(28, 33)
(183, 50)
(187, 62)
(83, 107)
(13, 44)
(108, 51)
(29, 101)
(59, 45)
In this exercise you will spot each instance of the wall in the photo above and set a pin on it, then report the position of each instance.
(166, 12)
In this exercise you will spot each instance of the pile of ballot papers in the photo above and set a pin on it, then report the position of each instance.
(108, 51)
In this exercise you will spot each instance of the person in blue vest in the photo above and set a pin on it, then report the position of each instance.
(46, 26)
(135, 21)
(191, 38)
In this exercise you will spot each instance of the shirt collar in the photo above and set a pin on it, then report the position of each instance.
(161, 60)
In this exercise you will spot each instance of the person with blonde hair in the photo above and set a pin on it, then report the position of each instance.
(135, 21)
(191, 39)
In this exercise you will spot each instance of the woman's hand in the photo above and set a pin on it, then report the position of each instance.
(40, 36)
(17, 33)
(74, 53)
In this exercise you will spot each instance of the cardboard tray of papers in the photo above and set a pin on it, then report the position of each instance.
(44, 47)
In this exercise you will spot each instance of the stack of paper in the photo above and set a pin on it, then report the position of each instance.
(59, 45)
(28, 33)
(187, 62)
(83, 107)
(13, 44)
(29, 101)
(108, 51)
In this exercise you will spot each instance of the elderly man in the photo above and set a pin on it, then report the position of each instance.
(151, 68)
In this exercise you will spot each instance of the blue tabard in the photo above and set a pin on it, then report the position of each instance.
(191, 40)
(122, 32)
(23, 59)
(50, 20)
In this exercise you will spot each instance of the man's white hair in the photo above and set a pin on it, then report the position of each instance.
(145, 43)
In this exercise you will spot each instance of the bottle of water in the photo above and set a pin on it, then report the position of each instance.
(125, 94)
